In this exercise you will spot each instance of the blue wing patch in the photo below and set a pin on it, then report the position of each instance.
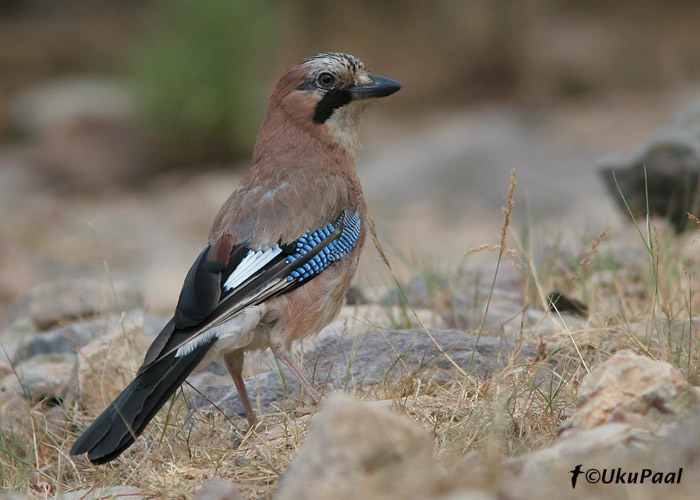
(336, 249)
(215, 291)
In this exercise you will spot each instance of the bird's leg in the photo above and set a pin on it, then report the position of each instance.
(234, 364)
(298, 373)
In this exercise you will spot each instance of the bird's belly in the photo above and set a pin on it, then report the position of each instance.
(240, 331)
(309, 308)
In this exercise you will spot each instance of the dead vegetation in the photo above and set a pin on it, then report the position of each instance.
(640, 290)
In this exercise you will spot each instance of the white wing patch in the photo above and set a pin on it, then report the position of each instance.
(252, 263)
(195, 343)
(233, 333)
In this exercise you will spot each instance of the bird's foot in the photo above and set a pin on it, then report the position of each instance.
(299, 374)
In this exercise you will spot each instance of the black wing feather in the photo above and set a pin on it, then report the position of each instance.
(129, 414)
(204, 303)
(201, 290)
(253, 291)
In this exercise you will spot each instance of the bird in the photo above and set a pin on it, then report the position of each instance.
(281, 252)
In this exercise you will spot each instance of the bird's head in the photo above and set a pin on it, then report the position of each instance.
(329, 91)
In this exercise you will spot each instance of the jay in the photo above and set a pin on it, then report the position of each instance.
(281, 253)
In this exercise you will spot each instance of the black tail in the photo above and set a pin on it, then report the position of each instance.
(129, 414)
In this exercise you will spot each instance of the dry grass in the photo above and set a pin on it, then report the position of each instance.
(641, 292)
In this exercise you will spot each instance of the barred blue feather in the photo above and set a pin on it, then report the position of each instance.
(333, 251)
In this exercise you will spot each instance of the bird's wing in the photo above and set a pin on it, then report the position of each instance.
(226, 278)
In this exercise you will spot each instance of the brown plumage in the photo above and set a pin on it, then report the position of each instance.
(281, 254)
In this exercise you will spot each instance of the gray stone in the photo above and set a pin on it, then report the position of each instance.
(64, 99)
(361, 450)
(664, 331)
(71, 299)
(615, 442)
(472, 293)
(13, 336)
(45, 377)
(69, 337)
(39, 384)
(218, 489)
(87, 132)
(107, 364)
(468, 310)
(663, 175)
(546, 473)
(354, 320)
(635, 413)
(203, 380)
(347, 362)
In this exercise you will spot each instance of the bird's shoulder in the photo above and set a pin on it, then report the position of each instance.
(278, 206)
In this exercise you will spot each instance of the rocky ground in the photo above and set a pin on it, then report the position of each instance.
(463, 383)
(434, 183)
(438, 390)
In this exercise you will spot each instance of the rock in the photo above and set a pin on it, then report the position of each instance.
(353, 320)
(93, 152)
(657, 432)
(14, 409)
(472, 292)
(371, 357)
(546, 473)
(44, 377)
(349, 361)
(87, 132)
(636, 390)
(74, 335)
(672, 162)
(358, 450)
(662, 332)
(218, 489)
(682, 440)
(71, 299)
(59, 100)
(634, 413)
(60, 339)
(107, 364)
(202, 380)
(614, 441)
(40, 384)
(13, 336)
(106, 493)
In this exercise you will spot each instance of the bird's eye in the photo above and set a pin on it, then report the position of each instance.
(325, 79)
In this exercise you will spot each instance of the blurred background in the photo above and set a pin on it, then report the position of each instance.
(125, 124)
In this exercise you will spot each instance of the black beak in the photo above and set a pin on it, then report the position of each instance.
(380, 87)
